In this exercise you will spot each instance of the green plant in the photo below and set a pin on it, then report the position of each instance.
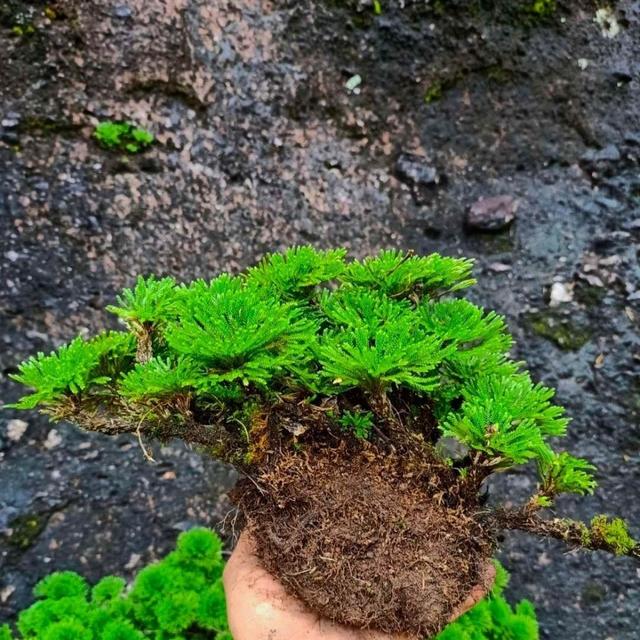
(181, 596)
(358, 423)
(494, 619)
(310, 364)
(122, 136)
(542, 8)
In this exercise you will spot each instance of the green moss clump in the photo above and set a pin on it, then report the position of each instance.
(310, 347)
(562, 331)
(434, 92)
(180, 596)
(123, 136)
(494, 619)
(25, 529)
(542, 8)
(613, 532)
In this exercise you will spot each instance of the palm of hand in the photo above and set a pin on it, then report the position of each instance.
(259, 608)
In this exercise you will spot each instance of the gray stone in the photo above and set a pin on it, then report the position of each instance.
(11, 120)
(610, 153)
(122, 11)
(492, 214)
(10, 137)
(416, 170)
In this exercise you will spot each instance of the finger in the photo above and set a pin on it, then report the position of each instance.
(477, 593)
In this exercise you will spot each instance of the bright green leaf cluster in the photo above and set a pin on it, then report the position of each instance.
(508, 417)
(398, 274)
(177, 598)
(312, 326)
(357, 422)
(74, 368)
(123, 136)
(151, 300)
(564, 473)
(494, 619)
(295, 274)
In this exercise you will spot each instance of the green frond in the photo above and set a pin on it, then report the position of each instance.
(563, 473)
(238, 333)
(71, 369)
(5, 632)
(352, 307)
(308, 326)
(62, 584)
(177, 611)
(201, 548)
(478, 335)
(67, 630)
(295, 273)
(151, 301)
(160, 377)
(396, 273)
(212, 609)
(109, 588)
(508, 418)
(494, 619)
(373, 360)
(121, 630)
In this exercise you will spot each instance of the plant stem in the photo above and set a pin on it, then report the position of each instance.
(573, 532)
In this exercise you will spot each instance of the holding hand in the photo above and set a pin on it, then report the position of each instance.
(259, 608)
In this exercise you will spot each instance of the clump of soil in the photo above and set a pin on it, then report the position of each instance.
(365, 539)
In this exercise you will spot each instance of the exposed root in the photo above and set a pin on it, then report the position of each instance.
(365, 539)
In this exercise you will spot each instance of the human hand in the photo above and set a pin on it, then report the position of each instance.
(259, 608)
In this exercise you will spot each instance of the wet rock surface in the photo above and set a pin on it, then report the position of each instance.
(492, 214)
(261, 145)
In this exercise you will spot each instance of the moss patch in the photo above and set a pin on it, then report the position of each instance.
(562, 331)
(25, 529)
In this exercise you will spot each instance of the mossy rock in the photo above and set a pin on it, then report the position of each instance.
(564, 332)
(25, 529)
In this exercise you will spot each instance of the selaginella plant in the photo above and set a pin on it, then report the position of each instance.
(123, 136)
(332, 384)
(177, 598)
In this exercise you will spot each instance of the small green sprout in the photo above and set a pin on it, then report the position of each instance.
(123, 136)
(360, 423)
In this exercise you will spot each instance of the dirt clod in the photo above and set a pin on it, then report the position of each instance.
(364, 539)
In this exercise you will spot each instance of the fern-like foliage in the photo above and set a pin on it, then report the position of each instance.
(235, 332)
(563, 473)
(481, 338)
(181, 596)
(73, 369)
(396, 274)
(160, 377)
(355, 307)
(382, 337)
(508, 418)
(360, 423)
(494, 619)
(295, 273)
(393, 354)
(151, 301)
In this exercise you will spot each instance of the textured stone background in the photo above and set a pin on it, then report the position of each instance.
(262, 146)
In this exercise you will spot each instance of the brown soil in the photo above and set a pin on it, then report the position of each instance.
(365, 539)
